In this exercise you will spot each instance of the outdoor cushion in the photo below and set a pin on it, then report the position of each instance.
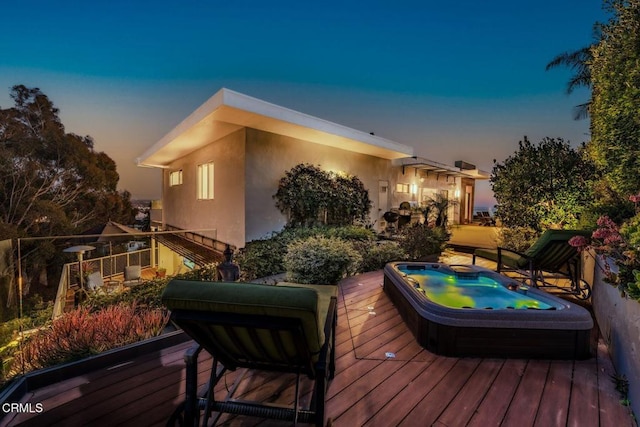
(508, 258)
(254, 299)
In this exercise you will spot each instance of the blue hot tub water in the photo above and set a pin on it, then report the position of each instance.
(478, 291)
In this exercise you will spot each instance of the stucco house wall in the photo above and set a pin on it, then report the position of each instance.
(269, 156)
(223, 216)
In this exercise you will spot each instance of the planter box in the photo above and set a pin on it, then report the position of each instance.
(24, 384)
(619, 322)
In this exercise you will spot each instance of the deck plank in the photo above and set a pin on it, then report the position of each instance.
(435, 402)
(403, 402)
(524, 406)
(612, 413)
(463, 405)
(583, 408)
(495, 405)
(554, 405)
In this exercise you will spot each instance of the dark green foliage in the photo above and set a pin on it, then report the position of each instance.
(436, 210)
(261, 258)
(517, 238)
(377, 254)
(207, 273)
(320, 260)
(543, 185)
(615, 111)
(310, 196)
(53, 182)
(420, 241)
(146, 294)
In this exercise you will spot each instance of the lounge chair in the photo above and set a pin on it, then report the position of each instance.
(550, 256)
(284, 328)
(132, 275)
(96, 284)
(483, 218)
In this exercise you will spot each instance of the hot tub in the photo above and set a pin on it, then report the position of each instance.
(466, 310)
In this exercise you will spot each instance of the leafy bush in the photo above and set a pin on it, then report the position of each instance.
(377, 255)
(265, 257)
(82, 333)
(420, 240)
(206, 273)
(349, 232)
(261, 258)
(320, 260)
(541, 184)
(145, 294)
(517, 238)
(310, 196)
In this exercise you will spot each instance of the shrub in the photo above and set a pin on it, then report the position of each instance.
(82, 333)
(206, 273)
(350, 232)
(146, 294)
(517, 238)
(420, 240)
(320, 260)
(265, 257)
(377, 255)
(310, 196)
(260, 258)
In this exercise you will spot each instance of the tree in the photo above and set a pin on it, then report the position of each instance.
(615, 106)
(579, 62)
(437, 208)
(54, 182)
(308, 196)
(543, 185)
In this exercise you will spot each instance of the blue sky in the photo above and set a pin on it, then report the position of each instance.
(457, 80)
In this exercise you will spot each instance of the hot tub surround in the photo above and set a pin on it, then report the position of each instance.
(560, 332)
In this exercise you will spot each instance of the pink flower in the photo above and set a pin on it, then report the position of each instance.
(579, 242)
(606, 222)
(635, 198)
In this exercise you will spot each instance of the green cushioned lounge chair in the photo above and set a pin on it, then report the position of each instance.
(550, 255)
(284, 328)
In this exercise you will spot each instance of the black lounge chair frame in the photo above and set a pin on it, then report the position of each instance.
(556, 259)
(321, 371)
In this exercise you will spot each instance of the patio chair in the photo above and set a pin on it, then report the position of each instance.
(285, 328)
(98, 285)
(132, 275)
(550, 256)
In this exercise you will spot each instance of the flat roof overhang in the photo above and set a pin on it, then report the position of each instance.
(228, 111)
(441, 169)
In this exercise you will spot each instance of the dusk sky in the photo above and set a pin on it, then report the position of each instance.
(461, 80)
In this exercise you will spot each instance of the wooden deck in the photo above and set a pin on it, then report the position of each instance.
(371, 388)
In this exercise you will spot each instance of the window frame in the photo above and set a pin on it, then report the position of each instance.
(205, 192)
(176, 173)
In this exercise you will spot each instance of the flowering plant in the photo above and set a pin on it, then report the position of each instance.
(620, 245)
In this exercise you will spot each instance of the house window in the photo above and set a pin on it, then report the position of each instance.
(402, 188)
(205, 181)
(175, 178)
